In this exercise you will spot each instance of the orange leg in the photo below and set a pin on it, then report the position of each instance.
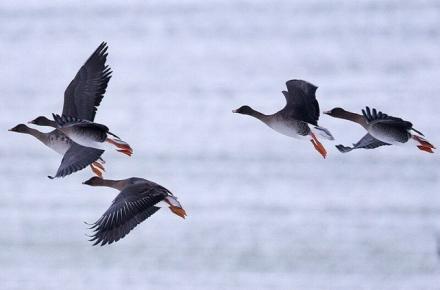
(96, 171)
(99, 165)
(124, 147)
(318, 146)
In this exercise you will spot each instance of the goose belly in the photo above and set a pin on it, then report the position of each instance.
(297, 130)
(59, 145)
(389, 134)
(87, 142)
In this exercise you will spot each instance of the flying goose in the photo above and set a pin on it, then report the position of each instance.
(138, 200)
(382, 130)
(81, 99)
(299, 118)
(75, 156)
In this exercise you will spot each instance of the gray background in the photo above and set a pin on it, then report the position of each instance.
(265, 211)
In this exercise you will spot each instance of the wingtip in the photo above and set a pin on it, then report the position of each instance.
(102, 47)
(343, 149)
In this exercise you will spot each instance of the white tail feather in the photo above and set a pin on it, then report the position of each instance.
(119, 141)
(323, 132)
(172, 200)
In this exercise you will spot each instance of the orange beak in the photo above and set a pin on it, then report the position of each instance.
(178, 211)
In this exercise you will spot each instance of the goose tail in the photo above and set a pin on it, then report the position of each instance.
(323, 132)
(418, 132)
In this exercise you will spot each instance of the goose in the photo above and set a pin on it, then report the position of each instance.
(75, 156)
(81, 99)
(382, 130)
(299, 118)
(137, 200)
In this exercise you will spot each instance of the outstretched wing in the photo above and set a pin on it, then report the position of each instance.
(301, 101)
(86, 90)
(367, 142)
(77, 158)
(374, 115)
(133, 205)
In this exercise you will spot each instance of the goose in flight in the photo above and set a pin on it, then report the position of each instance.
(81, 99)
(382, 130)
(299, 118)
(137, 200)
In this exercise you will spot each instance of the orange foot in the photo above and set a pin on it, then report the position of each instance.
(125, 151)
(423, 142)
(123, 146)
(425, 148)
(318, 146)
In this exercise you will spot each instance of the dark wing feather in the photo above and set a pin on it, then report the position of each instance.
(99, 131)
(86, 90)
(67, 121)
(367, 142)
(133, 205)
(77, 158)
(64, 120)
(301, 101)
(372, 115)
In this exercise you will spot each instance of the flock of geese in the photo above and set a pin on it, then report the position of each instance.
(81, 142)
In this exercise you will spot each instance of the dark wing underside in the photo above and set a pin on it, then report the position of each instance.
(77, 158)
(133, 205)
(86, 90)
(367, 142)
(301, 101)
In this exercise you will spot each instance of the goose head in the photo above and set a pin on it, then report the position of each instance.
(245, 110)
(20, 128)
(42, 121)
(94, 181)
(336, 112)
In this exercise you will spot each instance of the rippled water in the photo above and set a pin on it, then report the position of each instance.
(265, 211)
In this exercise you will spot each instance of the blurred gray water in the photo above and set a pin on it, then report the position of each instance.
(265, 211)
